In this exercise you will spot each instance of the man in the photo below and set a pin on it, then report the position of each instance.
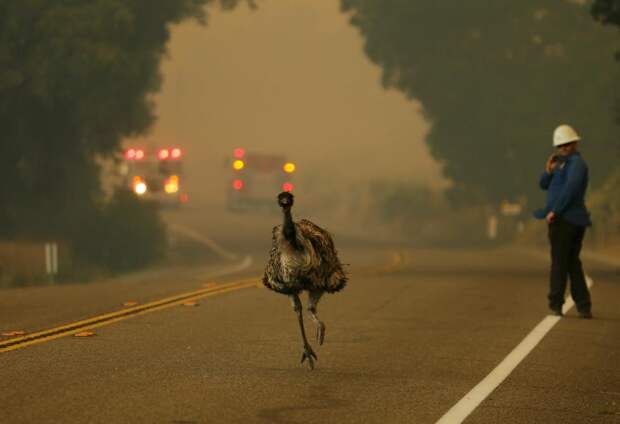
(566, 180)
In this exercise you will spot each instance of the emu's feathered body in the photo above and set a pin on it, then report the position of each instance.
(311, 265)
(303, 258)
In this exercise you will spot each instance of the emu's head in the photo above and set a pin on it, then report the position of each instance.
(285, 199)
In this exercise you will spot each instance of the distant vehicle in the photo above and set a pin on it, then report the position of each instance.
(156, 175)
(257, 179)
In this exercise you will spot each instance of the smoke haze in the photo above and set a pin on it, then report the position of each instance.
(290, 78)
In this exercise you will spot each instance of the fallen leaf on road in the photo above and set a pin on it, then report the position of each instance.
(84, 334)
(210, 284)
(130, 303)
(14, 333)
(191, 303)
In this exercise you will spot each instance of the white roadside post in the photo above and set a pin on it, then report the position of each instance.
(492, 227)
(51, 260)
(513, 210)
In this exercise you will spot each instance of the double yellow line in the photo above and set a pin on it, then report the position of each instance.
(106, 319)
(126, 313)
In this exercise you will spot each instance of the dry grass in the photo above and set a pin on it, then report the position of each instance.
(22, 262)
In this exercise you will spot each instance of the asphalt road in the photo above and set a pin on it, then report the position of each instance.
(414, 331)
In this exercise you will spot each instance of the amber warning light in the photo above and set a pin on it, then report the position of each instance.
(238, 165)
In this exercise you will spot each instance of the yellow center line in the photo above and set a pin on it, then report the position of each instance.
(127, 313)
(123, 314)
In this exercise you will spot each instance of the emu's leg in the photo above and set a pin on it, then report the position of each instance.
(313, 298)
(308, 353)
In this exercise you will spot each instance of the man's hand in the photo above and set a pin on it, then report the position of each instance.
(551, 162)
(550, 217)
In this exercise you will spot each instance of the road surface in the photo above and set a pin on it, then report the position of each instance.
(412, 334)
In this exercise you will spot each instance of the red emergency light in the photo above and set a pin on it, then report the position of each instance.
(175, 153)
(239, 153)
(287, 187)
(163, 154)
(132, 154)
(237, 185)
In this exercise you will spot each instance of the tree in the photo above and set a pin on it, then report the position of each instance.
(495, 78)
(76, 77)
(606, 201)
(606, 11)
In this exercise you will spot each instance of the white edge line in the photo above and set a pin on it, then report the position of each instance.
(482, 390)
(244, 264)
(211, 244)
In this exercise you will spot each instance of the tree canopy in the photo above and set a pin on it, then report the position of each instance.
(495, 79)
(606, 11)
(76, 77)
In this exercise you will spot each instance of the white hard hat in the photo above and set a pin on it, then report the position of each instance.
(564, 134)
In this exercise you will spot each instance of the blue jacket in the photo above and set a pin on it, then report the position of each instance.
(566, 190)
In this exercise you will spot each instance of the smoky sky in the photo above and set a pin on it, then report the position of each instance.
(289, 78)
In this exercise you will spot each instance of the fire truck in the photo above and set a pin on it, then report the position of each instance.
(155, 174)
(257, 179)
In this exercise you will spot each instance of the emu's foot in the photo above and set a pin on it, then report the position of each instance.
(309, 355)
(320, 333)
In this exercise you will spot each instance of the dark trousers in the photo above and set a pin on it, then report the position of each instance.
(566, 240)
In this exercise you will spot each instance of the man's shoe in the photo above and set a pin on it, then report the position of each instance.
(585, 314)
(556, 312)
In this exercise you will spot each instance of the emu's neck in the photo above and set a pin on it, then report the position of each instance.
(288, 228)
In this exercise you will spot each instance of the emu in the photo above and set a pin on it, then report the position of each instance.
(303, 258)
